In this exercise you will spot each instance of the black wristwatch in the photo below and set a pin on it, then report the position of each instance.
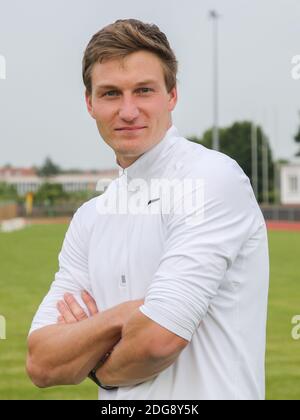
(94, 378)
(92, 375)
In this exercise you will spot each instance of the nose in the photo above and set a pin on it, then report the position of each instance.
(128, 110)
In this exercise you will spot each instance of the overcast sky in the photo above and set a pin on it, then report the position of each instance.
(42, 109)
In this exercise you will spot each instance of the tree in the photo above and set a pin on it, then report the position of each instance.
(235, 141)
(50, 194)
(297, 137)
(49, 168)
(8, 192)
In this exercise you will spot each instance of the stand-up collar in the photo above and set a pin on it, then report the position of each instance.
(152, 163)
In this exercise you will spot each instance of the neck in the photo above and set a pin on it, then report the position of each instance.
(126, 162)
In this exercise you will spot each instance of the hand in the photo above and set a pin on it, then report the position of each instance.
(71, 311)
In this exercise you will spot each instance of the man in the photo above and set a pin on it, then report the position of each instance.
(167, 299)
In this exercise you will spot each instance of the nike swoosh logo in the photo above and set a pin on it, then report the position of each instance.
(153, 201)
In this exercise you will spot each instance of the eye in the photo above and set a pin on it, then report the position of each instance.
(110, 93)
(145, 90)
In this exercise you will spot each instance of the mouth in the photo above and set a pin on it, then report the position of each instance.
(130, 129)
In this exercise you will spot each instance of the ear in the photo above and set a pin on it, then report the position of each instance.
(173, 97)
(88, 100)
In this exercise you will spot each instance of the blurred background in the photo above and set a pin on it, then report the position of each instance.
(239, 92)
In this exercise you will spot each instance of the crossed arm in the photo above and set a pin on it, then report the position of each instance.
(65, 353)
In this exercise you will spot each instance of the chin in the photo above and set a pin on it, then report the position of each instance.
(130, 153)
(130, 146)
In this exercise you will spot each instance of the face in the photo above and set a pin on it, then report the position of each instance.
(130, 104)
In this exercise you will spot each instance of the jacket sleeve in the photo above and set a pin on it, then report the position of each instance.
(202, 243)
(72, 275)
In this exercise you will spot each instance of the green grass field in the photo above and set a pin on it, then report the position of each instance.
(29, 262)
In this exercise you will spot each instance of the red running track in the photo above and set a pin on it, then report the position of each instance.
(284, 226)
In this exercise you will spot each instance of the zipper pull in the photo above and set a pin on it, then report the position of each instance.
(123, 281)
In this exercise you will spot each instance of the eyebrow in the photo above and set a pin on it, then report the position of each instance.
(144, 82)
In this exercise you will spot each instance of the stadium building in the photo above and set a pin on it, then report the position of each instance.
(290, 184)
(27, 180)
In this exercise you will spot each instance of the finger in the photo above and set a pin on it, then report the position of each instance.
(90, 303)
(74, 307)
(65, 312)
(61, 320)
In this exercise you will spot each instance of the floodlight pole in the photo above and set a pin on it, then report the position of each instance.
(254, 159)
(216, 141)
